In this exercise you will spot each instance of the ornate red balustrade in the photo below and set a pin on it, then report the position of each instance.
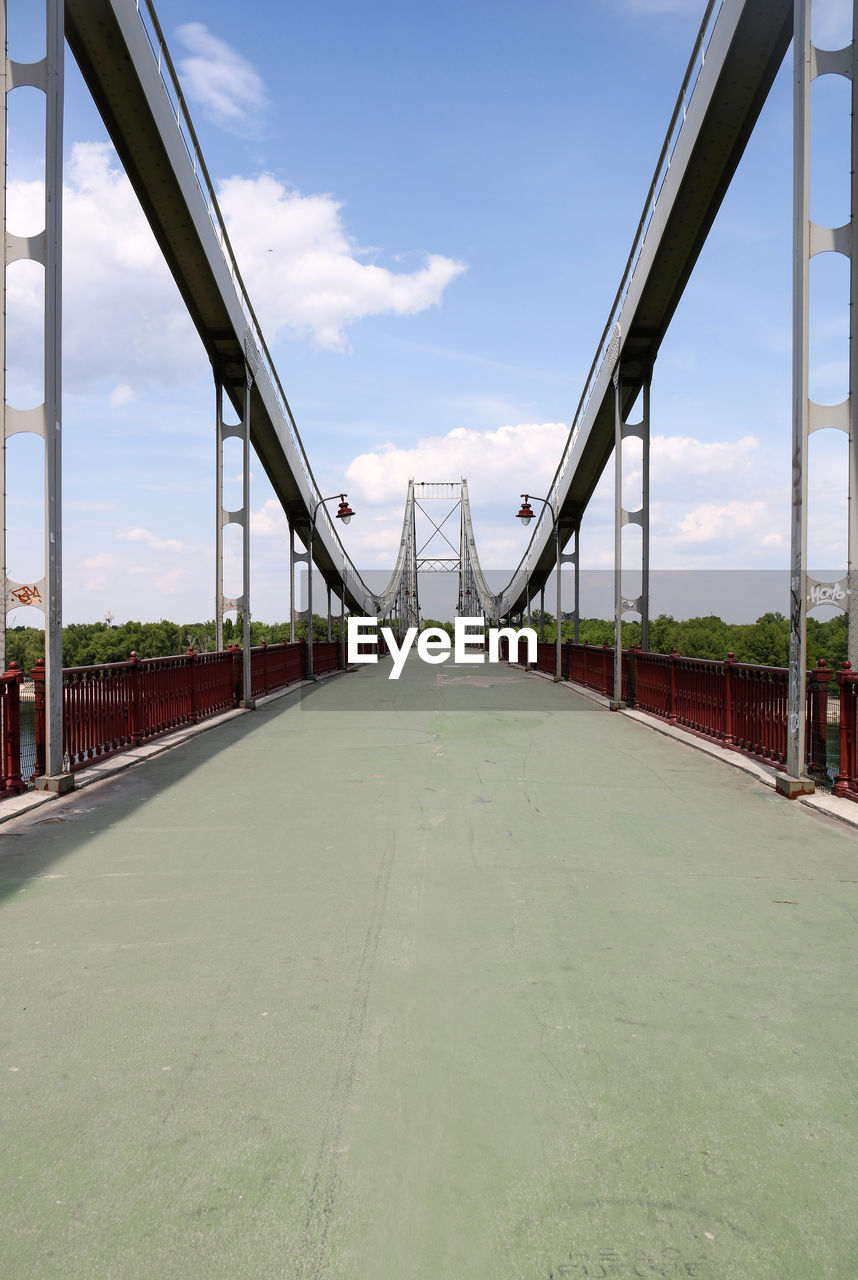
(273, 666)
(10, 732)
(758, 711)
(740, 705)
(698, 696)
(217, 682)
(654, 684)
(118, 705)
(326, 656)
(591, 665)
(546, 657)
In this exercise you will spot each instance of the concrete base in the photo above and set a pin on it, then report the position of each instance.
(248, 704)
(792, 788)
(61, 783)
(616, 706)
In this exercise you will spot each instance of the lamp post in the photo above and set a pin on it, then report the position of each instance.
(525, 515)
(345, 514)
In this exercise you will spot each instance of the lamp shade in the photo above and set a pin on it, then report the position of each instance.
(344, 511)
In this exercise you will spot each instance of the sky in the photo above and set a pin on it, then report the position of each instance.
(431, 206)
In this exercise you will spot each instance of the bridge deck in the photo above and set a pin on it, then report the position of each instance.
(368, 986)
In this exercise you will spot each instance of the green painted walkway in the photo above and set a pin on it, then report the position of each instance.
(455, 978)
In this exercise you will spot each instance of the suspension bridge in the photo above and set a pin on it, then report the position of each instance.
(456, 975)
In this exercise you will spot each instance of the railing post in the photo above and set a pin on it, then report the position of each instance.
(728, 699)
(605, 669)
(845, 781)
(818, 717)
(136, 709)
(40, 728)
(192, 684)
(673, 656)
(264, 666)
(237, 674)
(12, 742)
(632, 687)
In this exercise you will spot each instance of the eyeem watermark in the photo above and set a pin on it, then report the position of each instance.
(434, 644)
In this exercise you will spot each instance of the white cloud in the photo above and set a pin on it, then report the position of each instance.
(156, 543)
(269, 521)
(714, 503)
(302, 269)
(511, 458)
(725, 522)
(172, 582)
(123, 317)
(219, 80)
(104, 560)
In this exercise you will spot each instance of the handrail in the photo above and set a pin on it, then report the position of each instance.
(259, 349)
(611, 339)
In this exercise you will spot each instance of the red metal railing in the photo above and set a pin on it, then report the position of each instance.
(215, 682)
(846, 782)
(593, 666)
(121, 704)
(273, 666)
(698, 696)
(546, 657)
(326, 656)
(758, 711)
(740, 705)
(10, 732)
(654, 684)
(117, 705)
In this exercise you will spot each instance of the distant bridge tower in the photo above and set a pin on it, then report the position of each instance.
(439, 553)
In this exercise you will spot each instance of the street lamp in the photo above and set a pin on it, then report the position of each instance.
(344, 513)
(525, 515)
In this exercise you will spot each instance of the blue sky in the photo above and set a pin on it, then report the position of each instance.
(432, 207)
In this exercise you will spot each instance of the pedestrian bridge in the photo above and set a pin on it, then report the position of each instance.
(455, 976)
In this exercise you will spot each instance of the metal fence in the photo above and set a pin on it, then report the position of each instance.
(740, 705)
(118, 705)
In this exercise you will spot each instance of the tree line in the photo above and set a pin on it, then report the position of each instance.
(764, 642)
(88, 644)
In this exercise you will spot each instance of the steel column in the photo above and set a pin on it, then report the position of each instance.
(852, 550)
(223, 604)
(46, 419)
(645, 442)
(295, 558)
(575, 559)
(623, 430)
(800, 331)
(4, 88)
(809, 239)
(55, 50)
